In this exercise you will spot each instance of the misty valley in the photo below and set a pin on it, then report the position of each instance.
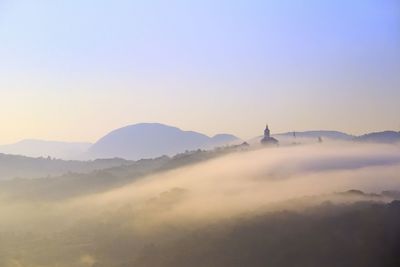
(314, 204)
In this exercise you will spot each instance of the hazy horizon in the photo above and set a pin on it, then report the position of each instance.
(74, 70)
(183, 129)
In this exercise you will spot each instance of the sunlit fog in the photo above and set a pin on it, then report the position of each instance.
(176, 133)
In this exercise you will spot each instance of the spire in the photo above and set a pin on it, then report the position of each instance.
(267, 139)
(266, 132)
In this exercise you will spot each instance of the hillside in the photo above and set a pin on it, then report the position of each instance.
(79, 178)
(13, 166)
(380, 137)
(119, 173)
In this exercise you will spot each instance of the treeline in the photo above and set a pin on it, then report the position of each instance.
(95, 176)
(21, 167)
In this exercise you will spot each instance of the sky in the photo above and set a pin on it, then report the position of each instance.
(73, 70)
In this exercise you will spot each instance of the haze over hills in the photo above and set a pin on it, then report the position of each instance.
(149, 140)
(380, 137)
(306, 136)
(335, 135)
(312, 136)
(229, 208)
(15, 166)
(388, 137)
(92, 176)
(42, 148)
(145, 141)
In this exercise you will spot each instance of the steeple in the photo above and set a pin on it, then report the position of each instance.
(266, 132)
(267, 139)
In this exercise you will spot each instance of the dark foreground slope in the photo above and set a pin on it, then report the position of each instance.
(363, 234)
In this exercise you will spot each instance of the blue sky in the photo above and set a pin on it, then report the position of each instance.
(73, 70)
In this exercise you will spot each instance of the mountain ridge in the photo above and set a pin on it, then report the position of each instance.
(148, 140)
(387, 136)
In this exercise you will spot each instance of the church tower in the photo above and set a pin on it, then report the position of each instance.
(267, 139)
(267, 133)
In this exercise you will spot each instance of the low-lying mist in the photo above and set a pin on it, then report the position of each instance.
(118, 227)
(246, 181)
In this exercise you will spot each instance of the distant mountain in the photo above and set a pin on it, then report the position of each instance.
(149, 140)
(223, 139)
(41, 148)
(380, 137)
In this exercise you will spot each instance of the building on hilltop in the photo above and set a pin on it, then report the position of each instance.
(267, 139)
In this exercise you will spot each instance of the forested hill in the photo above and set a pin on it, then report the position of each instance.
(14, 166)
(74, 184)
